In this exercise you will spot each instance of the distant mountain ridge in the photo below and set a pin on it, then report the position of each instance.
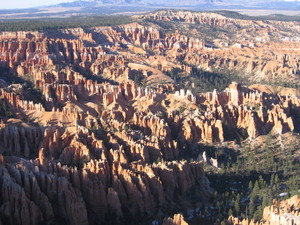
(263, 4)
(130, 7)
(160, 2)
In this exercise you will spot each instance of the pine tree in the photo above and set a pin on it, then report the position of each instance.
(251, 209)
(276, 182)
(250, 186)
(230, 212)
(237, 207)
(272, 179)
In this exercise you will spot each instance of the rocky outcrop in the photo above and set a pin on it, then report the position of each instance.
(110, 185)
(285, 212)
(176, 220)
(253, 66)
(94, 49)
(102, 191)
(207, 18)
(17, 103)
(211, 19)
(22, 142)
(31, 197)
(246, 53)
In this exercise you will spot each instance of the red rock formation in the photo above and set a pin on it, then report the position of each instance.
(91, 190)
(17, 103)
(106, 175)
(281, 212)
(35, 197)
(99, 152)
(248, 54)
(176, 220)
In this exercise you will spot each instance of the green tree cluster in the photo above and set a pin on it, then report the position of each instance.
(62, 23)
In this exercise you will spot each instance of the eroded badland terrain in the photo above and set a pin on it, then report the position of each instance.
(176, 112)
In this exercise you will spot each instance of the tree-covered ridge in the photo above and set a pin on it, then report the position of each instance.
(59, 23)
(275, 17)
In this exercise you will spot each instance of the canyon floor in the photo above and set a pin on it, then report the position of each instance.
(167, 117)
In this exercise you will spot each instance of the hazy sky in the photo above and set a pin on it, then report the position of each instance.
(13, 4)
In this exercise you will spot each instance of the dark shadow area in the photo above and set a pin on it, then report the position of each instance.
(204, 81)
(137, 76)
(90, 76)
(27, 89)
(100, 38)
(6, 111)
(54, 34)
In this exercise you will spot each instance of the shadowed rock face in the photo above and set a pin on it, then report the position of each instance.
(100, 149)
(41, 191)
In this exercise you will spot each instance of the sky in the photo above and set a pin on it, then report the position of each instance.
(14, 4)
